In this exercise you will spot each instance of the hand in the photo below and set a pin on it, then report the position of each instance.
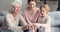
(24, 27)
(36, 24)
(31, 27)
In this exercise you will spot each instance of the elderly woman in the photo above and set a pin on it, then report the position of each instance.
(43, 23)
(31, 13)
(14, 17)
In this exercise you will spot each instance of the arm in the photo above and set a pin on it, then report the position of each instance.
(23, 20)
(44, 25)
(11, 24)
(26, 18)
(48, 25)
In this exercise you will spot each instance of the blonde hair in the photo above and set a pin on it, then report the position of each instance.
(46, 7)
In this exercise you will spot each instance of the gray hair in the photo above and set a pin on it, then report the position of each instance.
(14, 3)
(17, 2)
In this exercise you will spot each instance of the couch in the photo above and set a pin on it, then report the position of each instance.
(55, 21)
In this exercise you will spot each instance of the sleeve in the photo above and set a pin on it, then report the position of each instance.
(23, 20)
(44, 25)
(26, 17)
(48, 21)
(48, 25)
(10, 23)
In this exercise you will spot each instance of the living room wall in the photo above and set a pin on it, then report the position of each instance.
(5, 4)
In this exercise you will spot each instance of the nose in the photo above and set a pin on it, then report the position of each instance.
(42, 12)
(16, 8)
(31, 5)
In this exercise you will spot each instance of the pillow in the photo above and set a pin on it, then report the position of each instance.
(57, 18)
(51, 14)
(3, 13)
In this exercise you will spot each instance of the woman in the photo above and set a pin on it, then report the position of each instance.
(31, 13)
(13, 18)
(43, 23)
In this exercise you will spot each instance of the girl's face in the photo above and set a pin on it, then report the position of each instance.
(42, 11)
(31, 4)
(16, 8)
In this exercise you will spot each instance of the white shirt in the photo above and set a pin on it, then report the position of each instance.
(45, 23)
(13, 23)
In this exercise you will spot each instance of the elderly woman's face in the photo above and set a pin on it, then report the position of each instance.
(16, 8)
(43, 11)
(31, 4)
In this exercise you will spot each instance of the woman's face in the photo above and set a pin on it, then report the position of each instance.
(42, 11)
(31, 4)
(16, 8)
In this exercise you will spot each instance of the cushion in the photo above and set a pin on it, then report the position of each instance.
(55, 18)
(55, 29)
(3, 13)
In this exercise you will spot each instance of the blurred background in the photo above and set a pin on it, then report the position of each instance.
(54, 12)
(54, 4)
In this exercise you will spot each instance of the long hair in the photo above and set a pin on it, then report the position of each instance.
(30, 1)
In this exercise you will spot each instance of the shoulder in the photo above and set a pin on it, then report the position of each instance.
(9, 14)
(49, 18)
(37, 9)
(8, 17)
